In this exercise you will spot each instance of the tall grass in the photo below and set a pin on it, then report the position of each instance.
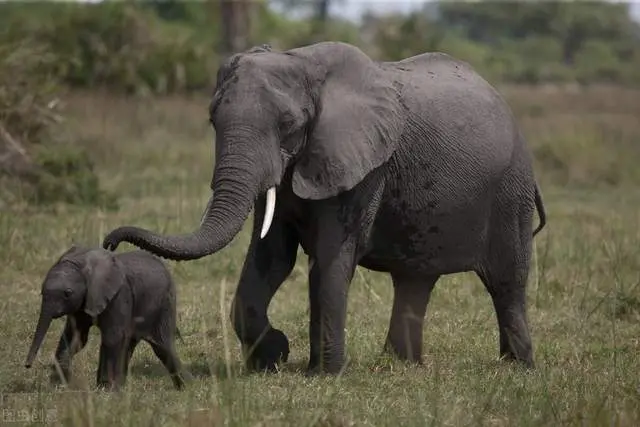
(584, 297)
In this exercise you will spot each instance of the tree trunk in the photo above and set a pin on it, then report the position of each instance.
(236, 25)
(323, 11)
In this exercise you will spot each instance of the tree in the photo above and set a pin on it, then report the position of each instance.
(322, 10)
(577, 23)
(571, 22)
(235, 18)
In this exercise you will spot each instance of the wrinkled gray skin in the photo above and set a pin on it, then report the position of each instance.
(416, 168)
(131, 297)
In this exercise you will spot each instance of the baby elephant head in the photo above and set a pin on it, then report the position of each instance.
(82, 279)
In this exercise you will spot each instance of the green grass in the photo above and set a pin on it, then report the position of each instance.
(584, 297)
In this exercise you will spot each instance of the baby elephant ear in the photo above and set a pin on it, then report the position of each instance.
(104, 278)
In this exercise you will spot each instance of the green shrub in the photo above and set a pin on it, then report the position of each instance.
(66, 174)
(26, 90)
(34, 166)
(396, 37)
(597, 61)
(586, 156)
(122, 46)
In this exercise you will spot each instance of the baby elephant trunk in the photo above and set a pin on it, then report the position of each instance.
(41, 330)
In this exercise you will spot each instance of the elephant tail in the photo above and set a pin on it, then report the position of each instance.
(541, 212)
(179, 335)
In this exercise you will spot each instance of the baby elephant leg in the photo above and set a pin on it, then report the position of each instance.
(131, 348)
(166, 352)
(73, 339)
(112, 363)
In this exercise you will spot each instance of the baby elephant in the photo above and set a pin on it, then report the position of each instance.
(130, 297)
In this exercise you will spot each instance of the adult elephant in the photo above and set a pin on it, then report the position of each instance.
(416, 168)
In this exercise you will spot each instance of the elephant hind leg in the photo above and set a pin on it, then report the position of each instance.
(130, 349)
(504, 275)
(508, 295)
(167, 354)
(162, 341)
(410, 299)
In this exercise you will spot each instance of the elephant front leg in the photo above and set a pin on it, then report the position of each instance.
(111, 370)
(268, 263)
(73, 339)
(329, 279)
(114, 350)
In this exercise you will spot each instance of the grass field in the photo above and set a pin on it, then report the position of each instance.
(584, 296)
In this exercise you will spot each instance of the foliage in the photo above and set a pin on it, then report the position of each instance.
(34, 165)
(173, 46)
(581, 138)
(120, 46)
(156, 152)
(26, 90)
(583, 305)
(531, 42)
(67, 174)
(160, 48)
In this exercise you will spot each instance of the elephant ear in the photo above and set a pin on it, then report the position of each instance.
(356, 129)
(75, 252)
(104, 277)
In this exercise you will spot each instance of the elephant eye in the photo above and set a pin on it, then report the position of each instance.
(288, 123)
(68, 292)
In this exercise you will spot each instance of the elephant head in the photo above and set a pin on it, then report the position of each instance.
(82, 279)
(326, 113)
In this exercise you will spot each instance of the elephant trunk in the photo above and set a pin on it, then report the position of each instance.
(239, 178)
(41, 330)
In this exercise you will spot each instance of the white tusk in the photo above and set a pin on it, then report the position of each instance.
(268, 212)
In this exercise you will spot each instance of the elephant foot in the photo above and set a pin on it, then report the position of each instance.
(313, 371)
(110, 383)
(271, 350)
(402, 353)
(107, 387)
(317, 371)
(182, 379)
(178, 381)
(329, 366)
(110, 386)
(526, 362)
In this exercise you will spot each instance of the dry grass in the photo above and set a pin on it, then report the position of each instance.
(584, 297)
(586, 137)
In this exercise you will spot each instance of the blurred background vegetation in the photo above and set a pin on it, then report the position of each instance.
(173, 48)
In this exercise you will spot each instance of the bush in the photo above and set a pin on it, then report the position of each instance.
(121, 46)
(26, 91)
(29, 166)
(66, 174)
(588, 152)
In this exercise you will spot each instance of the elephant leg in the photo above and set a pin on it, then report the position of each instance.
(342, 231)
(505, 274)
(169, 358)
(410, 299)
(73, 339)
(330, 274)
(509, 300)
(268, 263)
(133, 343)
(111, 372)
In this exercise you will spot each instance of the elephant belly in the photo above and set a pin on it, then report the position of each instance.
(434, 234)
